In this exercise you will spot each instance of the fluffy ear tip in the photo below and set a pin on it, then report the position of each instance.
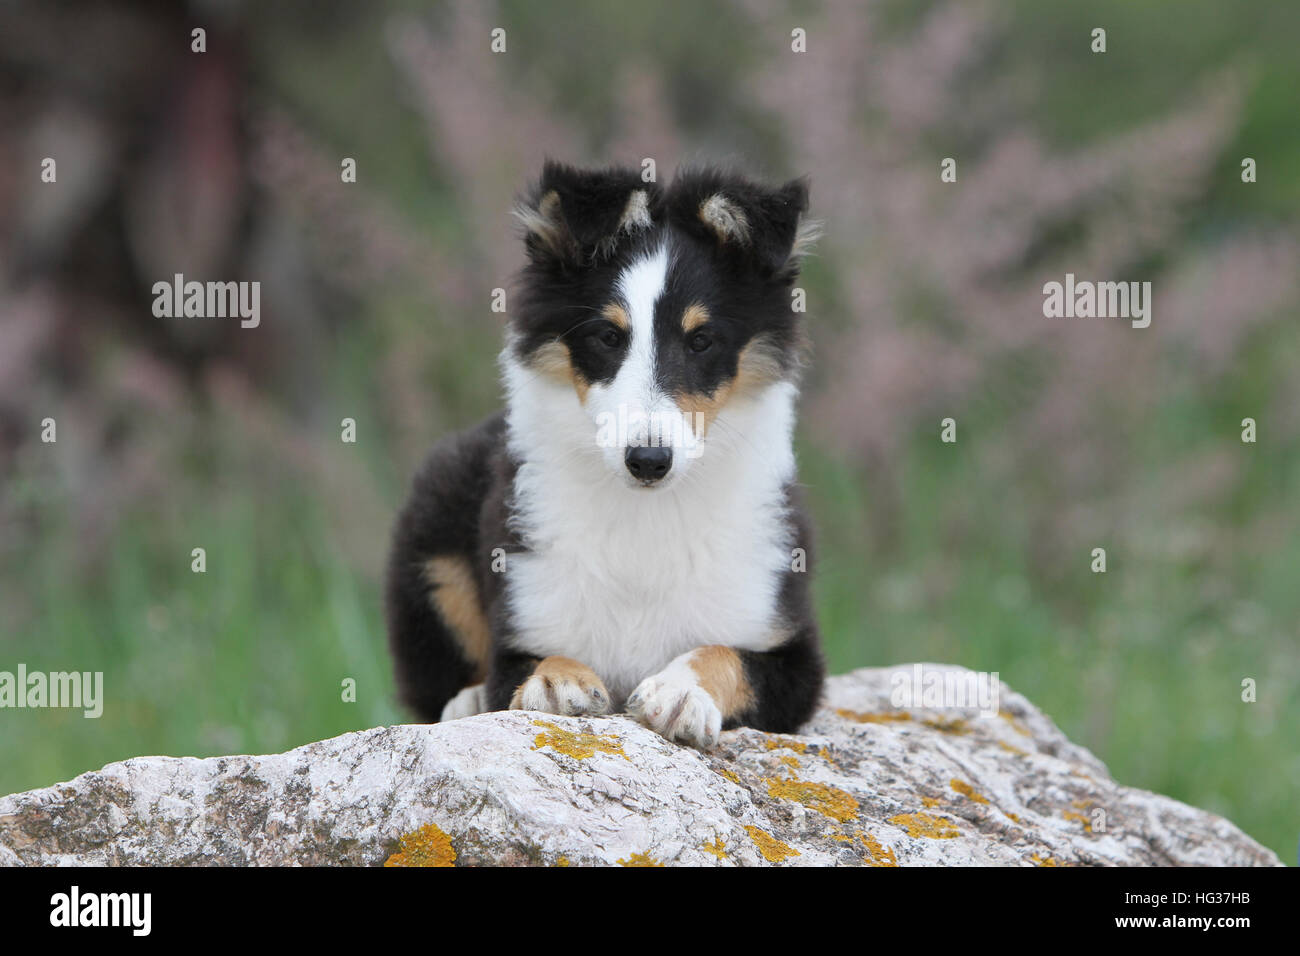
(806, 236)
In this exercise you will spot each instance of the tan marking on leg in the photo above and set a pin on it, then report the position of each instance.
(722, 675)
(617, 314)
(694, 316)
(556, 668)
(554, 360)
(757, 367)
(454, 594)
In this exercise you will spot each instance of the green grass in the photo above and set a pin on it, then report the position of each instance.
(1142, 664)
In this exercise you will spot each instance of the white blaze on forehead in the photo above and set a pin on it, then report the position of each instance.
(640, 286)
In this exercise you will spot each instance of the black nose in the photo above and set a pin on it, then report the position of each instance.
(649, 462)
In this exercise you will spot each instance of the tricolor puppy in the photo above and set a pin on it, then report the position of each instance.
(627, 534)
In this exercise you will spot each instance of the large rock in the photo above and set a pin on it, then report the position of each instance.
(864, 783)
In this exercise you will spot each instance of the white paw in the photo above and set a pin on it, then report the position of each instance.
(561, 694)
(470, 701)
(673, 704)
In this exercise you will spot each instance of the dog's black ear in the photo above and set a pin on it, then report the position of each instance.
(577, 216)
(759, 224)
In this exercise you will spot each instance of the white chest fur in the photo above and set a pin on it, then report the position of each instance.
(626, 579)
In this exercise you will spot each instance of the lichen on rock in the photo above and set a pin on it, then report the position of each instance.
(904, 788)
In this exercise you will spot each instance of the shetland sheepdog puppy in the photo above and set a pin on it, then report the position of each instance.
(627, 535)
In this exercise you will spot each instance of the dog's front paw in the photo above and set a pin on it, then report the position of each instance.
(561, 685)
(677, 707)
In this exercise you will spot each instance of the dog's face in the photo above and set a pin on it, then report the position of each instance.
(658, 308)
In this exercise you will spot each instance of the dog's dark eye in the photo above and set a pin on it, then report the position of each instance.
(610, 338)
(700, 341)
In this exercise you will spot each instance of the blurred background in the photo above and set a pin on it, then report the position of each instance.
(925, 302)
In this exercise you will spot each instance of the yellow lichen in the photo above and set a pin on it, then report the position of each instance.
(926, 825)
(1012, 816)
(1015, 723)
(576, 744)
(730, 775)
(884, 717)
(773, 850)
(717, 848)
(930, 801)
(948, 725)
(966, 790)
(1013, 749)
(1078, 818)
(427, 846)
(639, 859)
(831, 801)
(878, 855)
(790, 761)
(785, 743)
(562, 861)
(1045, 860)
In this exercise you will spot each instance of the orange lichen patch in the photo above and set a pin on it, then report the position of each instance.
(1015, 723)
(562, 861)
(966, 790)
(1081, 804)
(884, 717)
(639, 859)
(830, 801)
(926, 825)
(773, 850)
(1077, 818)
(1012, 816)
(576, 744)
(948, 725)
(717, 848)
(730, 775)
(840, 837)
(878, 855)
(930, 801)
(427, 846)
(785, 743)
(1045, 860)
(1012, 748)
(790, 761)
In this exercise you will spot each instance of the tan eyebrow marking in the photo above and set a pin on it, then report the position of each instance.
(617, 314)
(694, 316)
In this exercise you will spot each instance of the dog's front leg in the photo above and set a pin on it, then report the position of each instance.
(704, 690)
(554, 685)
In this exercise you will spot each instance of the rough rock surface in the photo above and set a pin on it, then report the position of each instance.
(864, 783)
